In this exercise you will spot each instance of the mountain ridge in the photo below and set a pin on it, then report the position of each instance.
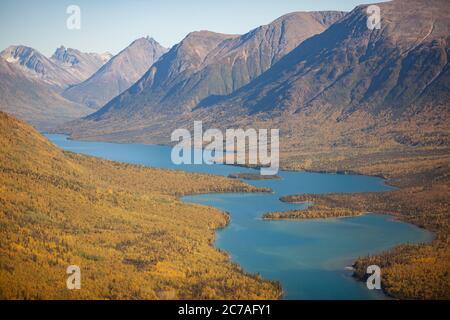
(34, 100)
(352, 29)
(345, 87)
(207, 63)
(54, 70)
(82, 64)
(117, 75)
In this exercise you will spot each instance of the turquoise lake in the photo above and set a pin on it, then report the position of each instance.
(307, 257)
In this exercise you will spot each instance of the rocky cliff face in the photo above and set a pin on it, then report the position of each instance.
(81, 64)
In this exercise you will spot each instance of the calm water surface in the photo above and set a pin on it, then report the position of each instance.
(307, 257)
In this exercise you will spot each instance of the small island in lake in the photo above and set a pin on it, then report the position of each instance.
(313, 212)
(253, 176)
(320, 207)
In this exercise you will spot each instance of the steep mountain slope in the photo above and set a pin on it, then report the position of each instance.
(118, 74)
(66, 67)
(206, 64)
(59, 209)
(347, 87)
(351, 91)
(351, 96)
(351, 67)
(80, 64)
(34, 100)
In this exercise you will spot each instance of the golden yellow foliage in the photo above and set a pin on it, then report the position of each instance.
(122, 224)
(408, 271)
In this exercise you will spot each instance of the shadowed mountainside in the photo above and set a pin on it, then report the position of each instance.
(205, 64)
(347, 87)
(350, 67)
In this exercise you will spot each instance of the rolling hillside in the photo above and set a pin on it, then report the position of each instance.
(122, 224)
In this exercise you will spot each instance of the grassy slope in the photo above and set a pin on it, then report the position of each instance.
(122, 224)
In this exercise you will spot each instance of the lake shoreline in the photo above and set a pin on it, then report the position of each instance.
(339, 173)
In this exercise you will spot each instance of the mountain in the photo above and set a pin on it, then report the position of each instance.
(351, 87)
(80, 64)
(65, 67)
(33, 99)
(347, 87)
(118, 74)
(349, 67)
(205, 64)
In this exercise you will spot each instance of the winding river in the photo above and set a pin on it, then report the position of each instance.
(308, 257)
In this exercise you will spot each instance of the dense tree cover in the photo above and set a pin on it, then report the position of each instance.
(412, 152)
(253, 176)
(317, 212)
(408, 271)
(412, 271)
(133, 239)
(122, 224)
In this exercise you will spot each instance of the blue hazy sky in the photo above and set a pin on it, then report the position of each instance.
(110, 25)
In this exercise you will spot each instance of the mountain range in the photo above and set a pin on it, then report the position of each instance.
(352, 67)
(323, 78)
(30, 83)
(80, 64)
(63, 68)
(206, 64)
(70, 84)
(345, 86)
